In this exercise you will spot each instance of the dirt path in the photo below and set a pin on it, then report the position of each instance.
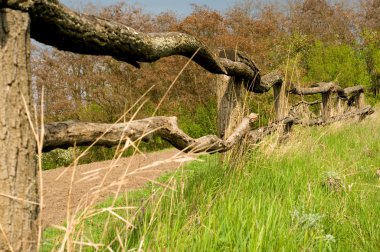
(88, 178)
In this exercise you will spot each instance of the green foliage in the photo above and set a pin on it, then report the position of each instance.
(201, 122)
(57, 158)
(372, 50)
(92, 112)
(336, 62)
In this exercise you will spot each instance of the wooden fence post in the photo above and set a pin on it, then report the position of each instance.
(341, 106)
(360, 102)
(19, 210)
(230, 104)
(280, 101)
(327, 104)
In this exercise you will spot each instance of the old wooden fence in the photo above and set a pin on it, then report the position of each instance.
(53, 24)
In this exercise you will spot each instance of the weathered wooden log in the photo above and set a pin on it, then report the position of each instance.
(360, 101)
(361, 113)
(322, 87)
(280, 100)
(257, 135)
(327, 104)
(306, 103)
(18, 172)
(70, 133)
(229, 90)
(240, 65)
(353, 90)
(328, 91)
(325, 87)
(54, 24)
(268, 81)
(230, 104)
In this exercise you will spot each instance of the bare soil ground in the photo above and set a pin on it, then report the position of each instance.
(95, 182)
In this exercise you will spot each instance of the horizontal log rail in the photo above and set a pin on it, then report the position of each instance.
(56, 25)
(355, 90)
(257, 135)
(70, 133)
(324, 87)
(319, 88)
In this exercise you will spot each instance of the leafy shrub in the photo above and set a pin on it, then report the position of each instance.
(200, 123)
(336, 62)
(57, 158)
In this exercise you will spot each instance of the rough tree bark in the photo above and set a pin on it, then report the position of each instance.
(327, 105)
(280, 101)
(269, 80)
(67, 134)
(229, 90)
(18, 212)
(230, 104)
(54, 24)
(354, 90)
(322, 87)
(360, 101)
(328, 91)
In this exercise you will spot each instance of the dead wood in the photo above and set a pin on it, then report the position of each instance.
(240, 65)
(325, 87)
(269, 80)
(70, 133)
(361, 113)
(19, 199)
(54, 24)
(301, 103)
(257, 135)
(322, 87)
(355, 90)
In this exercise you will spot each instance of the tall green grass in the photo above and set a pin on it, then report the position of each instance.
(318, 191)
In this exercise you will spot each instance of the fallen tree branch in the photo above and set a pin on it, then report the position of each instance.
(70, 133)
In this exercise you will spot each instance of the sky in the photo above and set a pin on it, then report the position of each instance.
(181, 7)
